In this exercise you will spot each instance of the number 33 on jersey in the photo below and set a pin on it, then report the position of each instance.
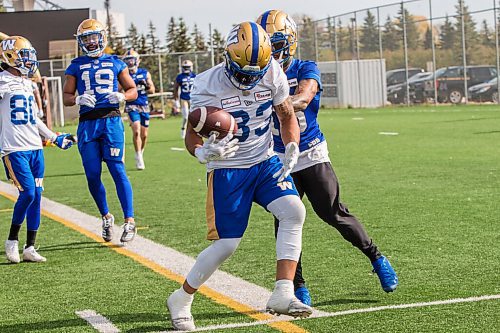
(98, 77)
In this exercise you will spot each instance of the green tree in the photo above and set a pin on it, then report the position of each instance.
(198, 39)
(485, 35)
(412, 35)
(171, 34)
(428, 38)
(182, 41)
(470, 34)
(218, 42)
(306, 35)
(448, 34)
(369, 34)
(152, 41)
(133, 37)
(390, 37)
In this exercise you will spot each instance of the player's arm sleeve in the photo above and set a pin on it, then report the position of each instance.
(311, 71)
(120, 65)
(44, 130)
(199, 95)
(280, 83)
(178, 79)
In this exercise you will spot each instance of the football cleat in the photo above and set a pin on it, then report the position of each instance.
(12, 251)
(107, 228)
(302, 293)
(386, 274)
(183, 133)
(129, 232)
(139, 162)
(30, 254)
(280, 303)
(179, 306)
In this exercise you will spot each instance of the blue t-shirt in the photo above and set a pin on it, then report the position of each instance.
(142, 96)
(96, 76)
(310, 133)
(185, 82)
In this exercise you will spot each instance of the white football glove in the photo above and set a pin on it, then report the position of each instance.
(115, 97)
(86, 99)
(215, 151)
(289, 162)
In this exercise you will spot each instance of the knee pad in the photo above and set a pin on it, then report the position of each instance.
(291, 213)
(210, 259)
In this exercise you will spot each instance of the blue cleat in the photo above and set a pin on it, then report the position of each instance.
(302, 293)
(386, 274)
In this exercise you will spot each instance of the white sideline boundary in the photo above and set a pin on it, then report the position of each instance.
(98, 322)
(349, 312)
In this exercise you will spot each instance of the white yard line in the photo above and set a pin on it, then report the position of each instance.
(228, 285)
(98, 322)
(349, 312)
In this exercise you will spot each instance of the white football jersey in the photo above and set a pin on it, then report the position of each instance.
(251, 109)
(18, 112)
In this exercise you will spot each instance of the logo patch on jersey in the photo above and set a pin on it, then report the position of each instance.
(248, 103)
(106, 64)
(8, 44)
(84, 66)
(230, 102)
(262, 95)
(293, 82)
(285, 185)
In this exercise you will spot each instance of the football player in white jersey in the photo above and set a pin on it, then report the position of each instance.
(245, 169)
(20, 142)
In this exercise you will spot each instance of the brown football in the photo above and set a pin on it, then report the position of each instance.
(208, 120)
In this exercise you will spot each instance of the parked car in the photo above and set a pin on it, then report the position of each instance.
(398, 76)
(450, 82)
(484, 92)
(396, 94)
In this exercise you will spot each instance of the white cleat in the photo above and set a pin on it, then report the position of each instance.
(280, 303)
(129, 232)
(179, 306)
(12, 251)
(183, 133)
(30, 254)
(107, 228)
(139, 161)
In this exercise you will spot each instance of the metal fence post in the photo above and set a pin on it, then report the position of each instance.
(381, 56)
(160, 74)
(211, 44)
(337, 76)
(51, 68)
(464, 55)
(316, 52)
(497, 27)
(405, 43)
(433, 46)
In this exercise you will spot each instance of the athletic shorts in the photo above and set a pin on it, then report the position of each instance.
(231, 193)
(104, 135)
(138, 113)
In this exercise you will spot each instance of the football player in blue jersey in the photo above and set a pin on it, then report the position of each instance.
(313, 175)
(20, 142)
(97, 77)
(184, 84)
(138, 111)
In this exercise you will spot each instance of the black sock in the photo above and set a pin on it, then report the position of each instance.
(14, 232)
(30, 241)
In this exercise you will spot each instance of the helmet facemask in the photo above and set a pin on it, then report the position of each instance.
(244, 78)
(281, 44)
(132, 63)
(26, 62)
(92, 43)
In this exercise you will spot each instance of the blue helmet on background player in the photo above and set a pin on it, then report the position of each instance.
(247, 55)
(91, 37)
(187, 66)
(283, 32)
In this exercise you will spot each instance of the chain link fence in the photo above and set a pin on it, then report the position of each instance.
(434, 51)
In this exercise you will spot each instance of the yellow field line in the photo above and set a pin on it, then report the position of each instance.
(214, 295)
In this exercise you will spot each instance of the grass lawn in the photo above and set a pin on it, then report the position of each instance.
(428, 197)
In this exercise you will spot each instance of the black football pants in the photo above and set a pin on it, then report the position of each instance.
(319, 183)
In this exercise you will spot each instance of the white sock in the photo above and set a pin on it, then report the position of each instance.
(181, 301)
(284, 287)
